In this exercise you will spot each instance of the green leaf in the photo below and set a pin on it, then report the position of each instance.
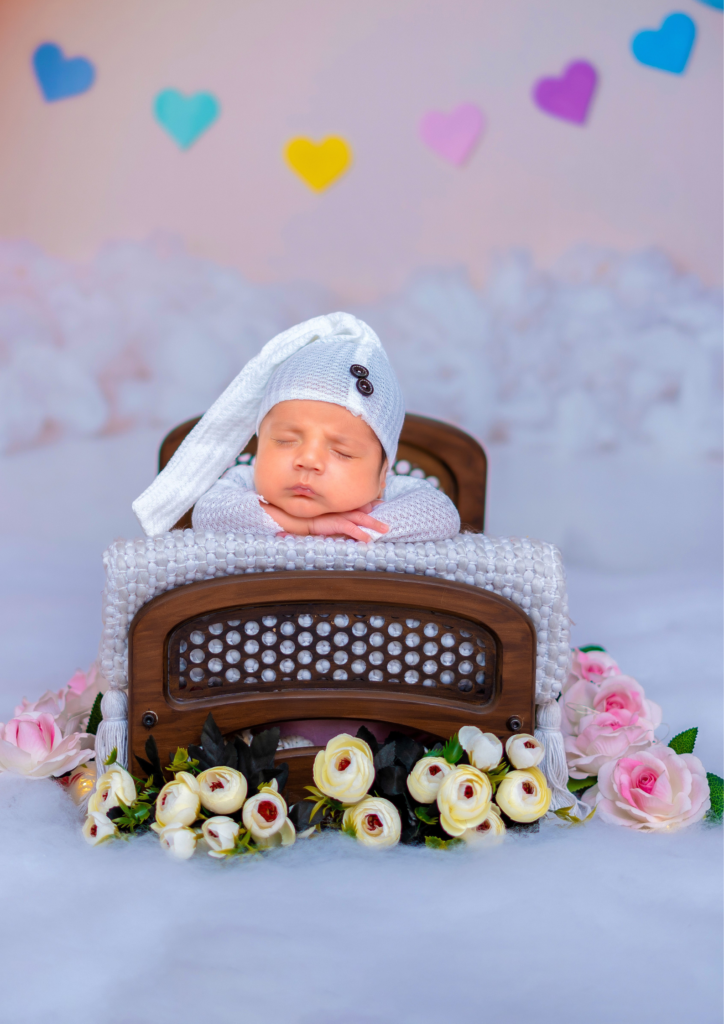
(435, 843)
(435, 751)
(591, 647)
(497, 775)
(683, 742)
(716, 792)
(95, 718)
(112, 757)
(425, 814)
(183, 763)
(452, 751)
(349, 830)
(577, 785)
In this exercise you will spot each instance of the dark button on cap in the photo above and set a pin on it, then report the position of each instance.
(364, 386)
(359, 371)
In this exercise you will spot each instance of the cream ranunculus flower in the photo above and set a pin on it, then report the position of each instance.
(220, 833)
(98, 828)
(176, 839)
(524, 795)
(463, 799)
(375, 820)
(222, 790)
(113, 787)
(489, 832)
(524, 751)
(179, 801)
(484, 749)
(286, 836)
(426, 778)
(344, 770)
(265, 813)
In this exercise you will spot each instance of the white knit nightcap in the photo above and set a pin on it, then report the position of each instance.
(335, 358)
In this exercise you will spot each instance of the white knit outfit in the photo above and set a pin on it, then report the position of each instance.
(335, 358)
(412, 508)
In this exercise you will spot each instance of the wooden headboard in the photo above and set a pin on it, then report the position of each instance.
(439, 449)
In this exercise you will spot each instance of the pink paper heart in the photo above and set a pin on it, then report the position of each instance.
(569, 96)
(453, 136)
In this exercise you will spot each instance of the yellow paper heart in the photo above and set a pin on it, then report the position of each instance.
(318, 163)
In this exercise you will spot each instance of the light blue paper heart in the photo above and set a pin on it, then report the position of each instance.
(185, 117)
(60, 77)
(719, 4)
(668, 48)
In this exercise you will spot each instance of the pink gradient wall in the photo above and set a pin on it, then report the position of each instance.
(645, 170)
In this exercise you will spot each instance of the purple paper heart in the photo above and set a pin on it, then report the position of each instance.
(453, 136)
(569, 96)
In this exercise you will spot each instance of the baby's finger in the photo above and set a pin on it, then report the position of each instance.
(361, 519)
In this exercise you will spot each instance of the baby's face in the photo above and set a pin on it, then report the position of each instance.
(316, 457)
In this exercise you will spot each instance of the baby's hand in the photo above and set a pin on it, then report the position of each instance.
(347, 524)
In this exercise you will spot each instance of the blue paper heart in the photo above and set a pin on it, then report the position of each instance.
(669, 47)
(719, 4)
(185, 117)
(60, 77)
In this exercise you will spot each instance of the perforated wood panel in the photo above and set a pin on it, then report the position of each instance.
(263, 650)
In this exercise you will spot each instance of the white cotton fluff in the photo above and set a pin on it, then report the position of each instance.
(606, 352)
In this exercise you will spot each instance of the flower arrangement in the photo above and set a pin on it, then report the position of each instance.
(614, 759)
(226, 796)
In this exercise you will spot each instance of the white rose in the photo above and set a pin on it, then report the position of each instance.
(463, 799)
(524, 751)
(286, 836)
(98, 828)
(176, 839)
(484, 749)
(524, 795)
(375, 820)
(113, 787)
(489, 832)
(426, 778)
(221, 834)
(179, 802)
(222, 790)
(344, 770)
(265, 813)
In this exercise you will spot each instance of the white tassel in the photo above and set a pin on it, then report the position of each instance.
(554, 765)
(113, 730)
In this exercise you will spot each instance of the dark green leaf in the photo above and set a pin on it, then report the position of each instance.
(280, 772)
(96, 716)
(385, 756)
(264, 747)
(407, 750)
(716, 792)
(111, 759)
(212, 743)
(391, 781)
(155, 762)
(425, 814)
(435, 751)
(683, 742)
(363, 733)
(452, 751)
(592, 647)
(301, 815)
(577, 785)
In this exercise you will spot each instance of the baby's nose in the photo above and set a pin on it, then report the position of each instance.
(310, 457)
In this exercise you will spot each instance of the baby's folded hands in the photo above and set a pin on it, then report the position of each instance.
(347, 524)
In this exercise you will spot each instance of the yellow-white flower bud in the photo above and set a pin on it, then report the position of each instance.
(220, 834)
(484, 749)
(344, 770)
(222, 790)
(463, 799)
(115, 785)
(524, 750)
(524, 795)
(376, 822)
(179, 802)
(426, 777)
(489, 832)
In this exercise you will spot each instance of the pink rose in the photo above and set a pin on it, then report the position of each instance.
(71, 705)
(32, 744)
(655, 789)
(604, 737)
(611, 693)
(593, 666)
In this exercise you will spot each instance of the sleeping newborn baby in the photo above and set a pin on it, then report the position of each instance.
(327, 410)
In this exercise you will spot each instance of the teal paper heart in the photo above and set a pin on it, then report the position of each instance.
(667, 48)
(185, 117)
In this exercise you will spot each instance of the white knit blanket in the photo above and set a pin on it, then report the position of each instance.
(528, 572)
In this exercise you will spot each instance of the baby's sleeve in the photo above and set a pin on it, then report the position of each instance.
(414, 510)
(232, 505)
